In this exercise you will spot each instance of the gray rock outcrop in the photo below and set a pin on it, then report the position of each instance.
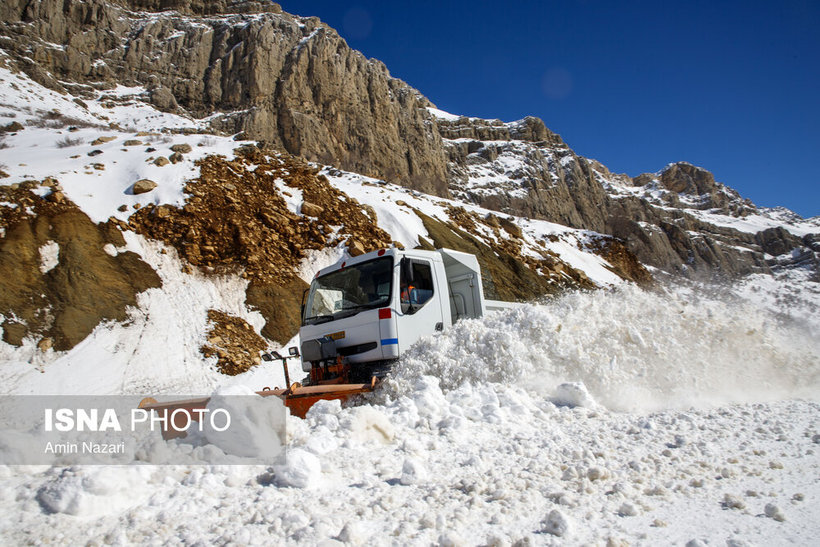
(535, 174)
(286, 80)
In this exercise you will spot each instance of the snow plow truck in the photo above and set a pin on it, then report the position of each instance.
(361, 315)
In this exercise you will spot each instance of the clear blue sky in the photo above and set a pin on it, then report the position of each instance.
(731, 86)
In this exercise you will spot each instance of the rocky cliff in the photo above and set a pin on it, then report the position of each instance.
(287, 80)
(294, 83)
(679, 220)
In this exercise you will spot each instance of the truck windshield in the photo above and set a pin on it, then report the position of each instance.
(345, 292)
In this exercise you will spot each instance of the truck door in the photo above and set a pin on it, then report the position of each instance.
(420, 307)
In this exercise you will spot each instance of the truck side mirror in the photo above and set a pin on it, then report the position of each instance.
(406, 270)
(302, 309)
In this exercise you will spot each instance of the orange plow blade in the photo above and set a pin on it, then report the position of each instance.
(177, 414)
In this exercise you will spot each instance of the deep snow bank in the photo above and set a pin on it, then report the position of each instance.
(464, 446)
(633, 349)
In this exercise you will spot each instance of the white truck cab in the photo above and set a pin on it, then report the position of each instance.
(370, 309)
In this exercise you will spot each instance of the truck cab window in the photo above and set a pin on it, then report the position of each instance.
(347, 291)
(417, 288)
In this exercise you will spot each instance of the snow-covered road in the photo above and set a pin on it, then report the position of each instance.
(640, 431)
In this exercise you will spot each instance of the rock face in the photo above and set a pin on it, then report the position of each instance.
(524, 169)
(290, 81)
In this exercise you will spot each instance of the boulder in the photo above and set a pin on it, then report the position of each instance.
(311, 209)
(511, 227)
(163, 99)
(182, 148)
(56, 197)
(143, 186)
(102, 140)
(355, 247)
(45, 344)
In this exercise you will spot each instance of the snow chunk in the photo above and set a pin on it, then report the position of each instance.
(557, 524)
(93, 491)
(371, 425)
(254, 422)
(49, 256)
(352, 533)
(412, 472)
(300, 469)
(730, 501)
(574, 394)
(774, 512)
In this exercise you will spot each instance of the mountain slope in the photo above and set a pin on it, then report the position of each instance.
(294, 83)
(679, 220)
(280, 78)
(242, 228)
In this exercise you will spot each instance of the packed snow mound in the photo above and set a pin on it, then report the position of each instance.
(254, 422)
(93, 491)
(631, 349)
(573, 394)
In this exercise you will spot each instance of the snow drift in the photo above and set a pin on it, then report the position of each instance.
(634, 350)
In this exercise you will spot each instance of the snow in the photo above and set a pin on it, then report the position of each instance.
(632, 350)
(300, 469)
(442, 115)
(399, 221)
(767, 218)
(644, 417)
(682, 415)
(488, 463)
(98, 184)
(156, 351)
(252, 419)
(100, 191)
(49, 256)
(292, 196)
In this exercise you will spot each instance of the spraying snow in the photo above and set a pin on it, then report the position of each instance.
(632, 349)
(501, 432)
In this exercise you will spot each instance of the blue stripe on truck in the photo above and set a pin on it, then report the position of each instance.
(389, 341)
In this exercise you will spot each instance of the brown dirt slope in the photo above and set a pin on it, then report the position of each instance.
(622, 261)
(233, 342)
(63, 305)
(503, 275)
(237, 220)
